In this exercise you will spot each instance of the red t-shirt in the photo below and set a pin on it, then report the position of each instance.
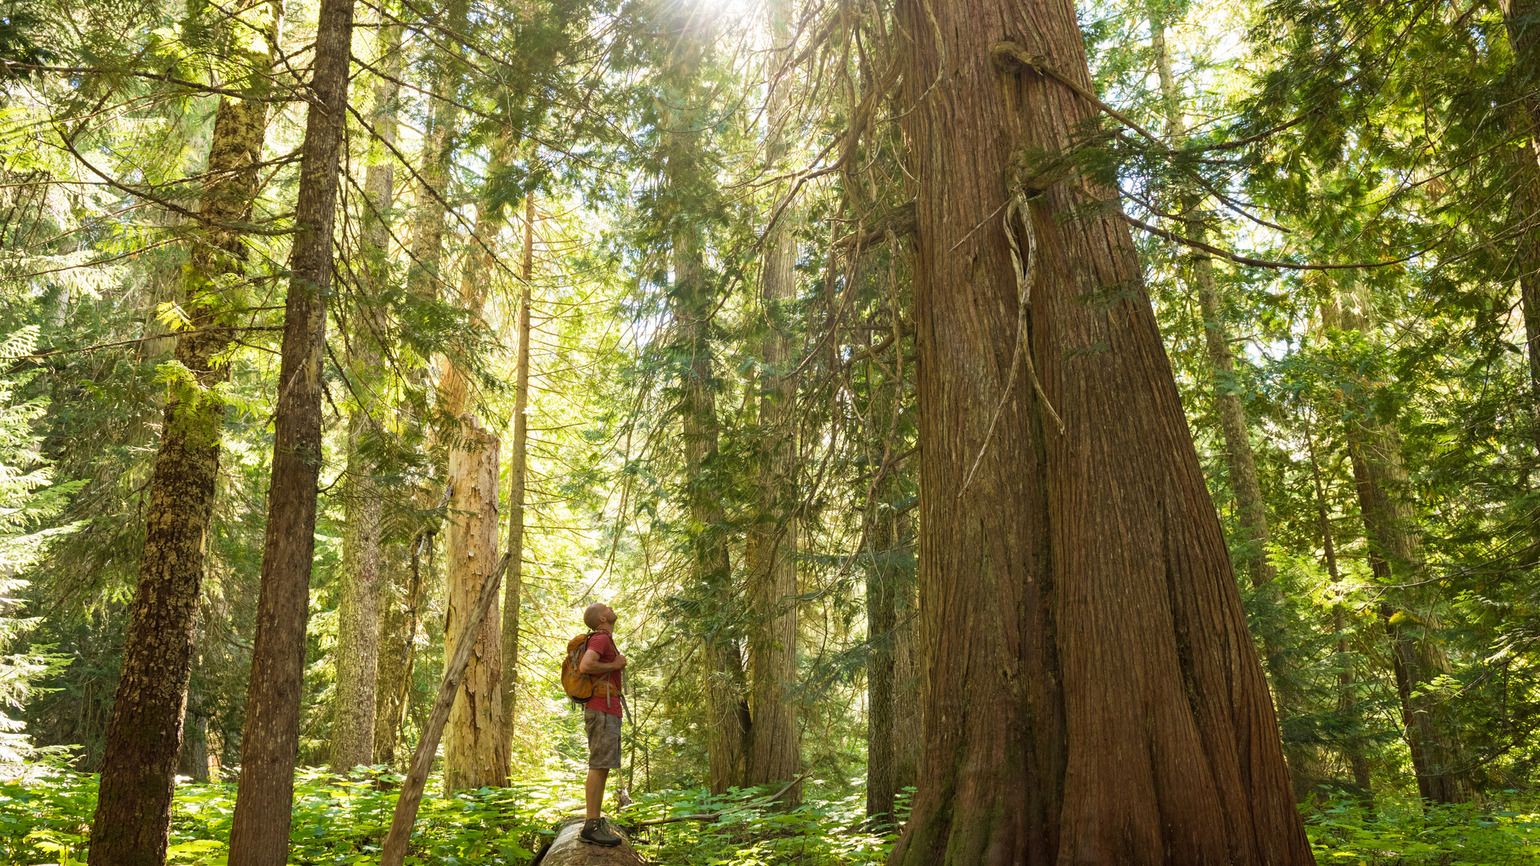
(605, 700)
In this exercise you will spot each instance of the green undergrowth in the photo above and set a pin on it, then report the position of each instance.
(1403, 833)
(46, 820)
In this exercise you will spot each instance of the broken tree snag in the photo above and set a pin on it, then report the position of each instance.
(568, 850)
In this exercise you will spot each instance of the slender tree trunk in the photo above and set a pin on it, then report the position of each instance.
(259, 834)
(398, 656)
(144, 732)
(1347, 683)
(424, 274)
(1395, 557)
(358, 610)
(475, 743)
(1522, 18)
(908, 709)
(691, 304)
(775, 753)
(1245, 486)
(1092, 693)
(518, 472)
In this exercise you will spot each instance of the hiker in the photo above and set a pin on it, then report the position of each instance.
(601, 718)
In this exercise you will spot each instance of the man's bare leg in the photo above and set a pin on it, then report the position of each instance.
(593, 791)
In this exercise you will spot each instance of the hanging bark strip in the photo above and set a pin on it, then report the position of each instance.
(144, 732)
(393, 852)
(1092, 692)
(259, 835)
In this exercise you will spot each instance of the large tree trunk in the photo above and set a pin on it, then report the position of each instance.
(775, 753)
(1522, 18)
(476, 741)
(144, 732)
(569, 850)
(358, 611)
(432, 188)
(1092, 694)
(1407, 607)
(259, 835)
(475, 746)
(691, 304)
(518, 476)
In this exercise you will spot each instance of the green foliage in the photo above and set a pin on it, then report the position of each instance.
(1402, 833)
(45, 819)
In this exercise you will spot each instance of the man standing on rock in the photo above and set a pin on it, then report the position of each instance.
(601, 718)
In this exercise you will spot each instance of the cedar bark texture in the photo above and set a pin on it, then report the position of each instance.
(358, 609)
(144, 731)
(259, 835)
(475, 744)
(398, 652)
(1092, 694)
(775, 749)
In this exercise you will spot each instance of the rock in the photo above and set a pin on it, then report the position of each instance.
(569, 850)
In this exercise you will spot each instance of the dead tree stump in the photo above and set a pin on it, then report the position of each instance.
(568, 850)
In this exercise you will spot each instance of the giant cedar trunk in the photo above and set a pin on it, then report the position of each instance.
(358, 610)
(691, 304)
(144, 732)
(1245, 485)
(259, 835)
(475, 744)
(1407, 606)
(771, 549)
(1092, 694)
(1522, 18)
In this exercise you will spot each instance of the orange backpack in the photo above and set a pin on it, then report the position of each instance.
(578, 685)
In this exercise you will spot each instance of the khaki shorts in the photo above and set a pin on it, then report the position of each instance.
(603, 739)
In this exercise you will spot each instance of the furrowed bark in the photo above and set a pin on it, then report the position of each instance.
(358, 610)
(1092, 694)
(771, 549)
(144, 731)
(398, 656)
(259, 834)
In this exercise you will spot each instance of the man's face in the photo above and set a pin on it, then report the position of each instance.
(609, 616)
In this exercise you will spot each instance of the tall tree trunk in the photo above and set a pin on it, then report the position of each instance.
(775, 752)
(1395, 557)
(144, 731)
(691, 304)
(424, 274)
(1245, 486)
(1347, 684)
(398, 656)
(358, 610)
(1522, 18)
(1092, 694)
(518, 474)
(475, 743)
(259, 834)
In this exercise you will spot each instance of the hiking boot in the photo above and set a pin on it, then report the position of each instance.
(597, 832)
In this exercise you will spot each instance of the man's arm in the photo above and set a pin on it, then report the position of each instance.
(591, 665)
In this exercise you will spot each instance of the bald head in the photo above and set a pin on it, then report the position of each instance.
(598, 616)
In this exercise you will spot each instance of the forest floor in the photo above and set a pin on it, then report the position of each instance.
(341, 820)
